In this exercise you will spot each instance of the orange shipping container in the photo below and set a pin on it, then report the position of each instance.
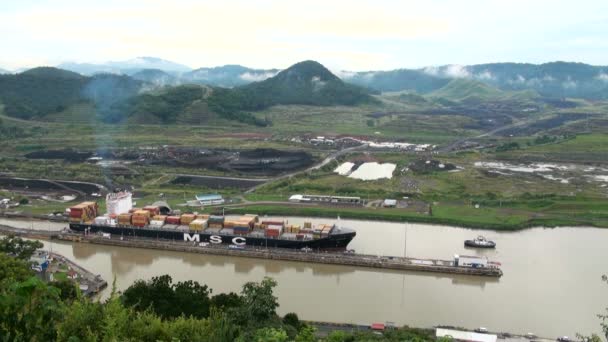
(187, 218)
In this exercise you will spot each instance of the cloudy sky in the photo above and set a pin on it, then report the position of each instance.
(350, 34)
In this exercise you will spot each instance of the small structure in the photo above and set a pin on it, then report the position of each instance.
(389, 203)
(377, 326)
(351, 200)
(210, 199)
(72, 274)
(298, 198)
(459, 335)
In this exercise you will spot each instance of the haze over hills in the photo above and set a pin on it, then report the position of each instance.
(2, 71)
(555, 79)
(228, 75)
(44, 93)
(128, 67)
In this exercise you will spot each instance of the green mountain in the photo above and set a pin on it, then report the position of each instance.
(156, 77)
(40, 91)
(307, 83)
(553, 80)
(472, 91)
(43, 92)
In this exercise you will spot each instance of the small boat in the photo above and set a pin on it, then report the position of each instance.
(480, 242)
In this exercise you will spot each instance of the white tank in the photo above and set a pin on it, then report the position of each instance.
(119, 202)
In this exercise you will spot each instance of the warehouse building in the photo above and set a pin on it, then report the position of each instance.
(326, 199)
(210, 199)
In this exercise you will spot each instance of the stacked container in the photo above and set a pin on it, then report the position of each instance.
(272, 223)
(154, 210)
(83, 212)
(295, 229)
(124, 219)
(132, 210)
(274, 231)
(172, 220)
(185, 219)
(198, 225)
(216, 221)
(231, 223)
(202, 216)
(140, 218)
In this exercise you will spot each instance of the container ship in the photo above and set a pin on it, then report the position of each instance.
(159, 222)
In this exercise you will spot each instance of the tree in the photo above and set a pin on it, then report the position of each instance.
(292, 320)
(270, 335)
(306, 334)
(168, 300)
(30, 311)
(18, 247)
(259, 300)
(67, 289)
(226, 301)
(12, 269)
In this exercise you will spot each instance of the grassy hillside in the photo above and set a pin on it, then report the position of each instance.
(472, 91)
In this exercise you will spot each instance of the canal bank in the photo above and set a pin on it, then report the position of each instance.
(552, 284)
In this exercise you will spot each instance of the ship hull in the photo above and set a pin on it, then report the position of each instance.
(472, 244)
(334, 241)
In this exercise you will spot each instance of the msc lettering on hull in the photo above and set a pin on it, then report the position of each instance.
(214, 239)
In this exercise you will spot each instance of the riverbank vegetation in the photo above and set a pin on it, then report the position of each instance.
(160, 310)
(154, 310)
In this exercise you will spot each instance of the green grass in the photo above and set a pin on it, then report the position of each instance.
(60, 276)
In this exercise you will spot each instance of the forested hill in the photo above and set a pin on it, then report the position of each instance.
(307, 83)
(555, 80)
(46, 93)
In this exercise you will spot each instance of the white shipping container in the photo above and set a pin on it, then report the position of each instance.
(157, 223)
(470, 261)
(102, 220)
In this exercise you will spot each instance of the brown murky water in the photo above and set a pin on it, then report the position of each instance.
(551, 284)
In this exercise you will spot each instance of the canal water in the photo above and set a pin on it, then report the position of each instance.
(551, 284)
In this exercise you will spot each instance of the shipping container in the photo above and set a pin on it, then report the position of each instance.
(215, 225)
(216, 219)
(132, 210)
(202, 216)
(102, 220)
(154, 210)
(173, 219)
(157, 223)
(198, 224)
(187, 218)
(124, 219)
(159, 218)
(273, 223)
(307, 225)
(143, 213)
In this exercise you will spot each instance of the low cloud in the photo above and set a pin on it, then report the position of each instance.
(452, 70)
(486, 75)
(569, 83)
(256, 76)
(344, 74)
(602, 77)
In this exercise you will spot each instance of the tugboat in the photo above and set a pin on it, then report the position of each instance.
(480, 242)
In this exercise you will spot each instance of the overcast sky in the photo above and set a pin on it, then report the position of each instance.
(348, 35)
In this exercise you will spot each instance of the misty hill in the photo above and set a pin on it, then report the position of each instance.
(128, 67)
(3, 71)
(227, 76)
(556, 80)
(473, 92)
(397, 80)
(40, 92)
(304, 83)
(307, 83)
(156, 77)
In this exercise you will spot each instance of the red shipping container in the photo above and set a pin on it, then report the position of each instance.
(273, 223)
(172, 219)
